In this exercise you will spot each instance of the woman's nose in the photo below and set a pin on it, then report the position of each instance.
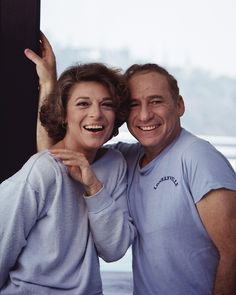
(95, 111)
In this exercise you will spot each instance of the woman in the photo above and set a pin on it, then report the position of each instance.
(65, 207)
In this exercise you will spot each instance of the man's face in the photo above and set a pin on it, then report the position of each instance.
(154, 116)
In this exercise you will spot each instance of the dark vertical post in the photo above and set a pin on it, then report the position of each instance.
(19, 29)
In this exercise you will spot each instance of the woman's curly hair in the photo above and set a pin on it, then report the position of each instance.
(53, 110)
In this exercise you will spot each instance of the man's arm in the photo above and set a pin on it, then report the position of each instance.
(46, 70)
(218, 214)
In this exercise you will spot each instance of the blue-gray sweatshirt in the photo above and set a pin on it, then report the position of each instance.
(173, 253)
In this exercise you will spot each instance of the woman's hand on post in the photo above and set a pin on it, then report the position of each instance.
(45, 65)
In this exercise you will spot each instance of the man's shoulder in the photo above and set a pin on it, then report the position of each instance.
(193, 144)
(202, 155)
(190, 143)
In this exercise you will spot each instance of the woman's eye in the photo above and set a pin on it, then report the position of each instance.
(108, 104)
(82, 104)
(133, 104)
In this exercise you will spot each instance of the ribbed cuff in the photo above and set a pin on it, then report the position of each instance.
(99, 201)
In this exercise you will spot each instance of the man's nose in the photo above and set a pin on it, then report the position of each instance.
(144, 114)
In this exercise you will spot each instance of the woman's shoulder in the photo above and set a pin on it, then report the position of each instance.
(40, 161)
(40, 168)
(110, 158)
(110, 153)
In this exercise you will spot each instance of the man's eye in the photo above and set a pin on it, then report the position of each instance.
(155, 101)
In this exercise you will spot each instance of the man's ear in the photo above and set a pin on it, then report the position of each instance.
(180, 106)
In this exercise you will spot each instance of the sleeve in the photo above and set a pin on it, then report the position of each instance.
(207, 169)
(111, 226)
(18, 214)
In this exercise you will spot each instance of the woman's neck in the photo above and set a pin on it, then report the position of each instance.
(65, 144)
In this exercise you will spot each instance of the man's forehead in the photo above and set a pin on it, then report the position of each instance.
(148, 78)
(150, 82)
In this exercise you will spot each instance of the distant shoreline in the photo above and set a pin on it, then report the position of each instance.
(117, 282)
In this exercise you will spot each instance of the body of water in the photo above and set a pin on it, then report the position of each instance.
(117, 283)
(117, 276)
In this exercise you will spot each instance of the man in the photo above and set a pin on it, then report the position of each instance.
(182, 196)
(181, 193)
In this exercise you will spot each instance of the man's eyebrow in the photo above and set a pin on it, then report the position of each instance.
(155, 96)
(149, 97)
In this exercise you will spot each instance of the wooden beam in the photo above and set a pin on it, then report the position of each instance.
(19, 28)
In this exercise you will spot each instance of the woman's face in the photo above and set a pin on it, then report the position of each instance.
(90, 116)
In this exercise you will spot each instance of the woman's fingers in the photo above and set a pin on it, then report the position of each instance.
(70, 157)
(31, 55)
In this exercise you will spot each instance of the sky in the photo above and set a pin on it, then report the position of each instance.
(188, 33)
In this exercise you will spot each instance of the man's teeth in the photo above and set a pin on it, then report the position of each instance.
(148, 128)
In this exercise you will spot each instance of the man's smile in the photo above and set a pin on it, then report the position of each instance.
(149, 127)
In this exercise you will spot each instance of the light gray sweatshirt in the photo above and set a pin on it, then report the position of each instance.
(50, 235)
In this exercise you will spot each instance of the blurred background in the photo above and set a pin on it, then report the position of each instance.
(194, 40)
